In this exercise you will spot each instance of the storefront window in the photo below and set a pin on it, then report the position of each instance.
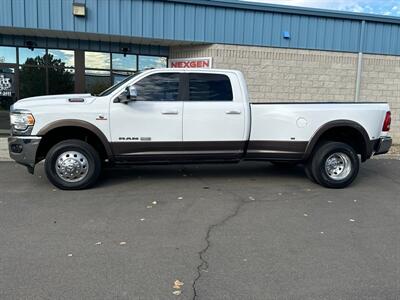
(147, 62)
(97, 60)
(105, 69)
(32, 57)
(97, 73)
(61, 81)
(7, 97)
(123, 62)
(32, 81)
(60, 73)
(32, 73)
(66, 58)
(8, 55)
(97, 81)
(45, 72)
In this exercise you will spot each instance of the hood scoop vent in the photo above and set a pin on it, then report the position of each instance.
(76, 100)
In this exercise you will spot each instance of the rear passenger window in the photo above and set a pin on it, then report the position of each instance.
(158, 87)
(209, 87)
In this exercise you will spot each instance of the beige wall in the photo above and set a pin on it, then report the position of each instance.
(275, 74)
(380, 81)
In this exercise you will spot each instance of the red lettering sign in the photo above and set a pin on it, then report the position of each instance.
(191, 63)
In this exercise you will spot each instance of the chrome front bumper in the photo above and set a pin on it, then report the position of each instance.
(23, 150)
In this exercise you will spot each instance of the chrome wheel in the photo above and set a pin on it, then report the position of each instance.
(338, 166)
(72, 166)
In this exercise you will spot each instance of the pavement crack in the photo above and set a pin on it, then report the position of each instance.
(203, 266)
(242, 200)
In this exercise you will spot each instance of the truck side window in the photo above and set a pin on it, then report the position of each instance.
(158, 87)
(209, 87)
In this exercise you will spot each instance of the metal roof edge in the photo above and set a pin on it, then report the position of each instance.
(265, 7)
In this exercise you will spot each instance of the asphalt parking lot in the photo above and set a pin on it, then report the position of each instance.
(247, 231)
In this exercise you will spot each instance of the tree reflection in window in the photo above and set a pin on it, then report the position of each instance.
(35, 70)
(32, 79)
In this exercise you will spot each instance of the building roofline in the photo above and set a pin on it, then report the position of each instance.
(265, 7)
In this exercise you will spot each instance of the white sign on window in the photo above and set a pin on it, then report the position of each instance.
(5, 86)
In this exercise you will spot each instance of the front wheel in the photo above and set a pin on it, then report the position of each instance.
(335, 165)
(72, 165)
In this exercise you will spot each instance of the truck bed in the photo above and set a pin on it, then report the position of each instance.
(288, 130)
(300, 121)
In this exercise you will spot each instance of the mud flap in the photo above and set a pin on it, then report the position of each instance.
(30, 169)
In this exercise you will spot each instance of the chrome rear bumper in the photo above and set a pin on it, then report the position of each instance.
(383, 145)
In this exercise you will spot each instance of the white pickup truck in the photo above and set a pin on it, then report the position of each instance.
(192, 116)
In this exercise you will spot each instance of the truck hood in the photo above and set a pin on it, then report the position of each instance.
(52, 100)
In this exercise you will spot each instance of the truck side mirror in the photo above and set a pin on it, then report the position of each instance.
(130, 94)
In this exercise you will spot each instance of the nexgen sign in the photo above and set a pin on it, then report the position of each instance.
(201, 62)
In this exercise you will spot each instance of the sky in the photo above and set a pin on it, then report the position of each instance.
(381, 7)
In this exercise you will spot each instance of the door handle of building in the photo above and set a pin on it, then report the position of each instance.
(170, 112)
(233, 112)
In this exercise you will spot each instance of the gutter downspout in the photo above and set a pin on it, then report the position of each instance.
(360, 62)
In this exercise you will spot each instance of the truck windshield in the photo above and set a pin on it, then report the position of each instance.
(116, 86)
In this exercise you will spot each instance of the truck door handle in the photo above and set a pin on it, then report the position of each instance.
(170, 112)
(233, 112)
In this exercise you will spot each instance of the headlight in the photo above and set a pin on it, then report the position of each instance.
(21, 121)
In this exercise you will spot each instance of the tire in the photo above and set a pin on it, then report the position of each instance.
(335, 165)
(307, 170)
(72, 165)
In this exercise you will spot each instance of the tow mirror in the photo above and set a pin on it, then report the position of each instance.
(130, 94)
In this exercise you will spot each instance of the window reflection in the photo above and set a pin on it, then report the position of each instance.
(147, 62)
(119, 76)
(97, 60)
(97, 81)
(158, 87)
(32, 57)
(8, 55)
(209, 87)
(64, 57)
(61, 81)
(60, 78)
(32, 81)
(46, 74)
(123, 62)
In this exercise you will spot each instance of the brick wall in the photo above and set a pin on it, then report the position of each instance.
(380, 81)
(284, 74)
(275, 74)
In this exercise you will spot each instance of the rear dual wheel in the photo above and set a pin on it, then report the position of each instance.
(333, 165)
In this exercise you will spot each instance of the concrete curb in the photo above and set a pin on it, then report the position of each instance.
(4, 150)
(394, 153)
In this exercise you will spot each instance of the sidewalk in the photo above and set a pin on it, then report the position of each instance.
(393, 154)
(4, 150)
